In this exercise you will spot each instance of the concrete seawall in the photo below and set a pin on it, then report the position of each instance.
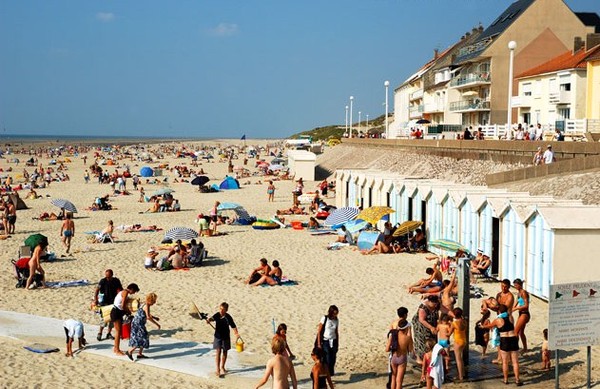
(572, 157)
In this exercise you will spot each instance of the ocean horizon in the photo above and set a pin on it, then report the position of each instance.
(33, 138)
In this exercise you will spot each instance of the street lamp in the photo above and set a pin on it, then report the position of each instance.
(367, 122)
(346, 128)
(387, 129)
(359, 121)
(351, 100)
(512, 45)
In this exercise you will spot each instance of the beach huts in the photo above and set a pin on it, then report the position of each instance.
(535, 238)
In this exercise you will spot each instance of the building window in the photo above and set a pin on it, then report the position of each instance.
(527, 118)
(527, 89)
(565, 87)
(564, 113)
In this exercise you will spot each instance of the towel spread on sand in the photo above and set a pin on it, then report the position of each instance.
(65, 284)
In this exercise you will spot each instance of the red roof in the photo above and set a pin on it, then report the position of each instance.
(568, 60)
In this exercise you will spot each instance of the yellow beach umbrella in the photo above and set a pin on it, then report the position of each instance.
(374, 214)
(406, 227)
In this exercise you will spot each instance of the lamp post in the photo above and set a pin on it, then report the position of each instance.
(346, 128)
(359, 122)
(351, 101)
(387, 129)
(512, 45)
(367, 122)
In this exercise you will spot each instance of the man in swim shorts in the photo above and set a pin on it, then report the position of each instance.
(67, 231)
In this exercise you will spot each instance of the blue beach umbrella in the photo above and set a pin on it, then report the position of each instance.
(146, 171)
(228, 206)
(341, 215)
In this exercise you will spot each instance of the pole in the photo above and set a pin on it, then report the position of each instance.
(512, 45)
(387, 129)
(351, 101)
(464, 295)
(556, 375)
(346, 130)
(359, 121)
(589, 366)
(367, 122)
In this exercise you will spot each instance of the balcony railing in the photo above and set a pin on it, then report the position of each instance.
(416, 95)
(433, 107)
(415, 111)
(470, 105)
(562, 97)
(521, 101)
(470, 79)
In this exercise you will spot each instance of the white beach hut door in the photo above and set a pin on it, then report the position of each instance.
(508, 245)
(519, 266)
(534, 256)
(485, 236)
(465, 228)
(547, 276)
(404, 198)
(394, 206)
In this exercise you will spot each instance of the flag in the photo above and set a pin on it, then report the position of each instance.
(243, 137)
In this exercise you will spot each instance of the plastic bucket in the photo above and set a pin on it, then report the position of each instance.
(239, 345)
(125, 330)
(297, 225)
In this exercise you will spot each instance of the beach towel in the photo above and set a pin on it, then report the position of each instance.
(284, 282)
(66, 284)
(336, 245)
(41, 348)
(436, 367)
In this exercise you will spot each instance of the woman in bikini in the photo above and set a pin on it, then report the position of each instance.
(320, 372)
(521, 306)
(459, 329)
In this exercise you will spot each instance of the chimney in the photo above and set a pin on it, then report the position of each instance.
(591, 41)
(436, 54)
(578, 44)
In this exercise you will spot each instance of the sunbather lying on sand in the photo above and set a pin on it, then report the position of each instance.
(139, 228)
(378, 248)
(295, 210)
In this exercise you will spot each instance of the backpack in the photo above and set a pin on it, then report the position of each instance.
(394, 343)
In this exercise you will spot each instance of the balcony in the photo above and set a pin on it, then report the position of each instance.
(521, 101)
(433, 108)
(562, 97)
(416, 95)
(470, 105)
(471, 79)
(415, 111)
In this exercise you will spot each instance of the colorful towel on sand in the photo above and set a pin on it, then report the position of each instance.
(66, 284)
(41, 348)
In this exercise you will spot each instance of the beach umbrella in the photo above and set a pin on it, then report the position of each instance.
(341, 215)
(228, 206)
(162, 192)
(374, 214)
(200, 180)
(423, 121)
(353, 226)
(146, 171)
(449, 245)
(35, 239)
(406, 227)
(183, 233)
(64, 204)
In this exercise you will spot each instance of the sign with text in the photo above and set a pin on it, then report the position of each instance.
(574, 317)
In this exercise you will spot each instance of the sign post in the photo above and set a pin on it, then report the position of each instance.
(574, 318)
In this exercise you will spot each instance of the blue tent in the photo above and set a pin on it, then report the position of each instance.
(215, 187)
(229, 183)
(146, 171)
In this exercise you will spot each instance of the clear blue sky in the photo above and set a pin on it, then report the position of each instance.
(215, 68)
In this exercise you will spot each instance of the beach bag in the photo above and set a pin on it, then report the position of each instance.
(322, 333)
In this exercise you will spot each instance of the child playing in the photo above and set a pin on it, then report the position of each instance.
(74, 328)
(426, 369)
(482, 335)
(545, 351)
(444, 330)
(459, 328)
(282, 334)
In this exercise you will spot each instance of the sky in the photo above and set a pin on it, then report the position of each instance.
(216, 68)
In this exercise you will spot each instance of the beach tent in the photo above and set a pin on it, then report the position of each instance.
(229, 183)
(17, 201)
(215, 187)
(146, 171)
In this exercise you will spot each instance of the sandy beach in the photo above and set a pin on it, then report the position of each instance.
(367, 289)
